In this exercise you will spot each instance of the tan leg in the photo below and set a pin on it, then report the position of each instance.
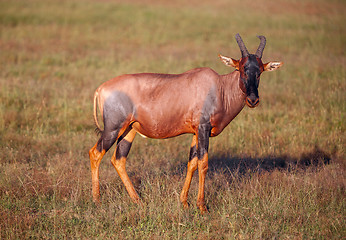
(202, 172)
(95, 159)
(119, 162)
(191, 168)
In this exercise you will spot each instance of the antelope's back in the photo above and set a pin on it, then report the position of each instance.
(165, 105)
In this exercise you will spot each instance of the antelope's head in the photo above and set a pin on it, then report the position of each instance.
(250, 67)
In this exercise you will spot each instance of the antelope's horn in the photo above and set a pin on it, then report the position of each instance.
(261, 46)
(244, 51)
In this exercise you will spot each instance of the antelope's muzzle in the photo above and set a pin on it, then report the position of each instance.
(252, 101)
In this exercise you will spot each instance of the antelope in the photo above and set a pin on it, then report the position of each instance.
(200, 102)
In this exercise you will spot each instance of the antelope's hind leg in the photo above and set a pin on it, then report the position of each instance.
(119, 162)
(96, 154)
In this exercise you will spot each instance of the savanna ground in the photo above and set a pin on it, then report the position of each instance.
(276, 172)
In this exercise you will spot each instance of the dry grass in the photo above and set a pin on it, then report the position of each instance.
(277, 172)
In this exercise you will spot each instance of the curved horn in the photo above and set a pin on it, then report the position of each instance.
(244, 51)
(260, 49)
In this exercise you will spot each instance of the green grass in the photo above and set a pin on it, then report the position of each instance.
(276, 172)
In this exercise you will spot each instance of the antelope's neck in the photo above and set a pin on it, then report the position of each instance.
(232, 94)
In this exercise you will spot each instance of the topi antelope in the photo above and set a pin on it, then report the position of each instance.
(199, 101)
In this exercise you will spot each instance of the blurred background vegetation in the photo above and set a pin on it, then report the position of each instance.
(276, 172)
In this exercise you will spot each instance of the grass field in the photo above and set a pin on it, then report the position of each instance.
(276, 172)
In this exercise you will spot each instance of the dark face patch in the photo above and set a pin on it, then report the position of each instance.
(250, 72)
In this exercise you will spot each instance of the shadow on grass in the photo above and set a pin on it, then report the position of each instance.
(242, 165)
(238, 166)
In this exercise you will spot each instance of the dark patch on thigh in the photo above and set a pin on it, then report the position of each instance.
(107, 140)
(117, 108)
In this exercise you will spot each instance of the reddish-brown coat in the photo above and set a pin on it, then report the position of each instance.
(168, 105)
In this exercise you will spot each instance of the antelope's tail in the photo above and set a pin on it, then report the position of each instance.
(98, 129)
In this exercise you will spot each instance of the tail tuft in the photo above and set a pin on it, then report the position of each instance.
(98, 128)
(98, 131)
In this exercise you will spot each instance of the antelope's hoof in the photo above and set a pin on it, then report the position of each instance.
(185, 204)
(139, 202)
(97, 201)
(203, 209)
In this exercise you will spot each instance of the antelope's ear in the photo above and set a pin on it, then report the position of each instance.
(230, 62)
(271, 66)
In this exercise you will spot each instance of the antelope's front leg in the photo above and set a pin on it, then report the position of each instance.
(202, 154)
(119, 160)
(191, 168)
